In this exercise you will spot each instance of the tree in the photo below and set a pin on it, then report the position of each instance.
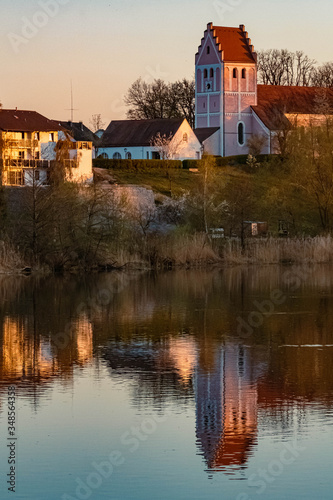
(97, 123)
(323, 76)
(256, 144)
(312, 166)
(282, 67)
(168, 148)
(161, 100)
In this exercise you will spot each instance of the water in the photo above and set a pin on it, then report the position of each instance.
(181, 385)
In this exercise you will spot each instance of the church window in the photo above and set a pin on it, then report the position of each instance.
(105, 156)
(205, 73)
(117, 156)
(208, 49)
(234, 73)
(211, 73)
(185, 138)
(241, 134)
(243, 73)
(128, 156)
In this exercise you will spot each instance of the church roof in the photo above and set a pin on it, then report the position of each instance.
(235, 44)
(14, 120)
(132, 133)
(203, 133)
(275, 101)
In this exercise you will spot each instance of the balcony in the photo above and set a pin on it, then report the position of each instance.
(20, 144)
(35, 164)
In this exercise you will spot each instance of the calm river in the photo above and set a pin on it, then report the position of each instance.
(186, 385)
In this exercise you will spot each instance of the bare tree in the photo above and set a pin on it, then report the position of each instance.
(282, 67)
(323, 76)
(168, 148)
(161, 100)
(96, 122)
(256, 144)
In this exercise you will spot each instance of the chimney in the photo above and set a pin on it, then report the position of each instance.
(242, 27)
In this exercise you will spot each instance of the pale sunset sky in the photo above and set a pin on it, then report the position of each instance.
(103, 46)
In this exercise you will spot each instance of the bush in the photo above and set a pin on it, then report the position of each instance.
(137, 165)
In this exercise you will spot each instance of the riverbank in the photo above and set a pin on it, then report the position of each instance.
(185, 251)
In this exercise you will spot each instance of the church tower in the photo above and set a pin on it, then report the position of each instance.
(226, 88)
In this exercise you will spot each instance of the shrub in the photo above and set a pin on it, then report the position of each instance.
(137, 165)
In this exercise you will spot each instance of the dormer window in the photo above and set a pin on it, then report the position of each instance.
(205, 73)
(243, 73)
(234, 73)
(208, 49)
(211, 73)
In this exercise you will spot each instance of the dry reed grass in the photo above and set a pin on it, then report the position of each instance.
(10, 259)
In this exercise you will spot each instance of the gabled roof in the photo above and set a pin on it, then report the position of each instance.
(80, 132)
(125, 133)
(233, 44)
(275, 101)
(14, 120)
(203, 133)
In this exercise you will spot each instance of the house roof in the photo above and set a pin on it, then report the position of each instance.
(275, 101)
(203, 133)
(235, 44)
(80, 132)
(14, 120)
(126, 133)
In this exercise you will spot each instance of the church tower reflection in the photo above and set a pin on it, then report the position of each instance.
(226, 408)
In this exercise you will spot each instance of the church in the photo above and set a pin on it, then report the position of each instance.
(230, 105)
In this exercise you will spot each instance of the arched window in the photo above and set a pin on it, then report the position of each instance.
(243, 73)
(105, 156)
(205, 73)
(128, 156)
(208, 49)
(117, 156)
(241, 134)
(211, 73)
(185, 138)
(234, 73)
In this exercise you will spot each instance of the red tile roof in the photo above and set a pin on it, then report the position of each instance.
(274, 101)
(13, 120)
(125, 133)
(234, 44)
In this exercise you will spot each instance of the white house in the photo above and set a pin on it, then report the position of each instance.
(132, 139)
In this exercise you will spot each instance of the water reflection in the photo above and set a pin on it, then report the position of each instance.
(174, 337)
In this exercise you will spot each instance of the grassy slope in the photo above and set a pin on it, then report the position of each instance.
(270, 205)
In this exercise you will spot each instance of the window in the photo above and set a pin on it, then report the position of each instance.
(241, 134)
(21, 155)
(147, 155)
(185, 138)
(208, 49)
(128, 156)
(105, 156)
(23, 135)
(243, 73)
(51, 137)
(211, 73)
(205, 73)
(37, 155)
(117, 156)
(37, 136)
(155, 155)
(234, 73)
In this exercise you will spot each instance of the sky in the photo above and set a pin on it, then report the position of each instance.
(103, 46)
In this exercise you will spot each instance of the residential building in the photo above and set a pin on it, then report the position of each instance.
(133, 139)
(28, 143)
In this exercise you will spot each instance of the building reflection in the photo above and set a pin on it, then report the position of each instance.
(226, 409)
